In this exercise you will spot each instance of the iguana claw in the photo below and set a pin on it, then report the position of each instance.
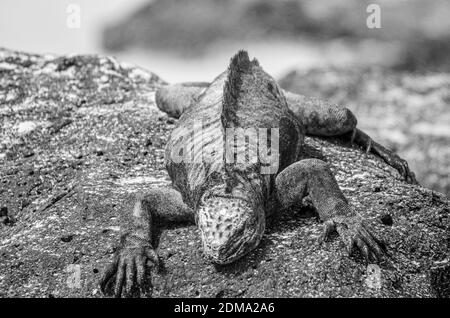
(127, 273)
(354, 233)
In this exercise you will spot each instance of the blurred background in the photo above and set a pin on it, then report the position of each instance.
(388, 61)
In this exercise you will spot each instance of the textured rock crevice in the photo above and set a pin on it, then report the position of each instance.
(80, 134)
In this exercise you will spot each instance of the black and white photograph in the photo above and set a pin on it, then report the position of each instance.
(245, 151)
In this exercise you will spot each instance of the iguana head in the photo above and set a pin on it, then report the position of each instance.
(230, 227)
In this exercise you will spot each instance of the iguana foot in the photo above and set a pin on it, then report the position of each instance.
(126, 275)
(354, 233)
(361, 139)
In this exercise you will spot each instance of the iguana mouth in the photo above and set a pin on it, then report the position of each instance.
(228, 253)
(230, 227)
(241, 243)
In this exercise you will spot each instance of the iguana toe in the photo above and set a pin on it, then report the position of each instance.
(356, 234)
(126, 275)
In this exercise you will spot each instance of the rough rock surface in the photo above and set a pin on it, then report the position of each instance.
(80, 134)
(408, 112)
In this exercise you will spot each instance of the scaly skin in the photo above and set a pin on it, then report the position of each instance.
(318, 117)
(230, 200)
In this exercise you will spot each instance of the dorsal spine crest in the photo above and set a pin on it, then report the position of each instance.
(240, 64)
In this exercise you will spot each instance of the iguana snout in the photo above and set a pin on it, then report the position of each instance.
(230, 227)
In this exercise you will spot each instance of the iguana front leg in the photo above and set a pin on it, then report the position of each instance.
(314, 177)
(152, 211)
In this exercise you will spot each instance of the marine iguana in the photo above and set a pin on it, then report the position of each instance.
(228, 199)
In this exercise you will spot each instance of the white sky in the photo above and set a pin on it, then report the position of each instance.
(40, 25)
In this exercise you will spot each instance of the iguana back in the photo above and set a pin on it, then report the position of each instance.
(243, 98)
